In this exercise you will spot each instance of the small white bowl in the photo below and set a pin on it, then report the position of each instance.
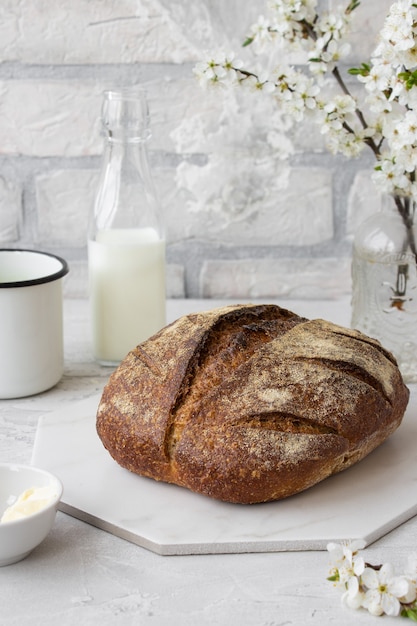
(19, 537)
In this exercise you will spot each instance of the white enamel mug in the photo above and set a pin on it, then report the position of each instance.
(31, 321)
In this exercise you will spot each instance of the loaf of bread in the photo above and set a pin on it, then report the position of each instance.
(250, 403)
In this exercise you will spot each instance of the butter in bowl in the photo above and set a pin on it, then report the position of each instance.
(29, 499)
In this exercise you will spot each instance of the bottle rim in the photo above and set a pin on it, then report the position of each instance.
(125, 113)
(126, 93)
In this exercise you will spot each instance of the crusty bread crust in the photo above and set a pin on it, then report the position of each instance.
(250, 403)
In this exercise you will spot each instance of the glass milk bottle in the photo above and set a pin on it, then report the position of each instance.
(126, 247)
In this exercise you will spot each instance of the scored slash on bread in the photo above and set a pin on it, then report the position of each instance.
(250, 403)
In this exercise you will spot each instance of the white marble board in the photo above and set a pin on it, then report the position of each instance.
(366, 501)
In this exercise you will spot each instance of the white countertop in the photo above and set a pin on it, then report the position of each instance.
(83, 575)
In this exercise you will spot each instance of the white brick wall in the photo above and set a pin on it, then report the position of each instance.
(241, 220)
(64, 199)
(282, 278)
(93, 32)
(44, 118)
(10, 211)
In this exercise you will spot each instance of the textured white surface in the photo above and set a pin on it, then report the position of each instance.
(170, 520)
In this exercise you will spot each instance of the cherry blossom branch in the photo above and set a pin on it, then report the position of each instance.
(392, 137)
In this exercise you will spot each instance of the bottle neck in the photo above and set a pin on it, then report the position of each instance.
(126, 156)
(126, 197)
(123, 136)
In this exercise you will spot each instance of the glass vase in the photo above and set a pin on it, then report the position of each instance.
(384, 281)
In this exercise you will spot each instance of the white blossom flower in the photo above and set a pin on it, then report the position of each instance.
(378, 105)
(379, 77)
(296, 9)
(409, 58)
(407, 159)
(262, 31)
(389, 176)
(294, 107)
(407, 128)
(383, 590)
(258, 83)
(339, 119)
(344, 142)
(339, 552)
(353, 597)
(305, 90)
(209, 71)
(318, 69)
(398, 26)
(398, 33)
(328, 54)
(407, 98)
(219, 69)
(411, 594)
(345, 562)
(390, 130)
(332, 26)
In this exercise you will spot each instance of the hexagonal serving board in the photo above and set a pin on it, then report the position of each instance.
(366, 501)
